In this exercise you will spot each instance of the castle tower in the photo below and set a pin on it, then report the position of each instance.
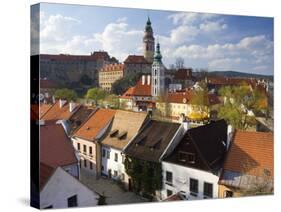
(148, 42)
(157, 74)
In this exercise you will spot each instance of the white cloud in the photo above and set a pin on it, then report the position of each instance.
(190, 18)
(212, 26)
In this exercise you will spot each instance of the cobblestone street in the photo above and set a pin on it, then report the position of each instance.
(113, 193)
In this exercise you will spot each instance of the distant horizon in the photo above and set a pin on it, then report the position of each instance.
(205, 41)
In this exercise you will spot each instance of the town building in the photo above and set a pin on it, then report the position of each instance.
(248, 168)
(193, 167)
(56, 149)
(147, 149)
(60, 110)
(124, 128)
(148, 42)
(65, 68)
(135, 64)
(109, 74)
(157, 74)
(138, 98)
(177, 104)
(86, 137)
(58, 189)
(184, 77)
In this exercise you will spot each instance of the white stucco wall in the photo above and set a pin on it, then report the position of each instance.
(86, 156)
(111, 163)
(181, 177)
(61, 186)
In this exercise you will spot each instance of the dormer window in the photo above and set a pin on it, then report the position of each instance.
(122, 135)
(114, 133)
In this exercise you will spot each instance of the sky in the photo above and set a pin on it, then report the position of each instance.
(208, 41)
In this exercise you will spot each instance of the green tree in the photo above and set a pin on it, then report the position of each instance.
(96, 94)
(65, 93)
(85, 80)
(238, 101)
(112, 100)
(121, 85)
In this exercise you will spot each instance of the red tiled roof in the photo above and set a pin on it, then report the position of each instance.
(213, 99)
(57, 113)
(113, 67)
(55, 147)
(250, 153)
(90, 129)
(183, 74)
(136, 59)
(128, 94)
(142, 89)
(65, 57)
(45, 173)
(44, 109)
(230, 81)
(179, 97)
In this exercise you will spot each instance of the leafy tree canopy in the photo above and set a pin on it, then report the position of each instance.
(65, 93)
(238, 101)
(96, 94)
(121, 85)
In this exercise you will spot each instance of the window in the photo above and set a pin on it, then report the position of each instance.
(84, 148)
(102, 168)
(116, 157)
(122, 176)
(169, 192)
(78, 146)
(193, 187)
(123, 158)
(91, 165)
(103, 153)
(91, 150)
(72, 201)
(169, 177)
(228, 194)
(80, 164)
(208, 190)
(85, 163)
(115, 173)
(108, 154)
(186, 157)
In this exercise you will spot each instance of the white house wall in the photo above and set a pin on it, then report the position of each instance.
(111, 164)
(181, 176)
(61, 186)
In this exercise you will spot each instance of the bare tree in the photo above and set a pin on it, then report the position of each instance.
(179, 63)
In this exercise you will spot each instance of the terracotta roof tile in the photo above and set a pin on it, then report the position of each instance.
(136, 59)
(142, 89)
(113, 67)
(90, 129)
(129, 93)
(55, 146)
(250, 153)
(57, 113)
(45, 174)
(44, 109)
(183, 74)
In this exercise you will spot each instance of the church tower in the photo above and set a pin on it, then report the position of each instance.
(148, 42)
(157, 74)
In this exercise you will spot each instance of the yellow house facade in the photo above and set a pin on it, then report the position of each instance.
(109, 74)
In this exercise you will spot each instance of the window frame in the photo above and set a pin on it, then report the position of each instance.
(191, 185)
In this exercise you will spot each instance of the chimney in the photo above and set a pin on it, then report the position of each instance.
(143, 79)
(53, 99)
(62, 102)
(229, 135)
(148, 79)
(72, 106)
